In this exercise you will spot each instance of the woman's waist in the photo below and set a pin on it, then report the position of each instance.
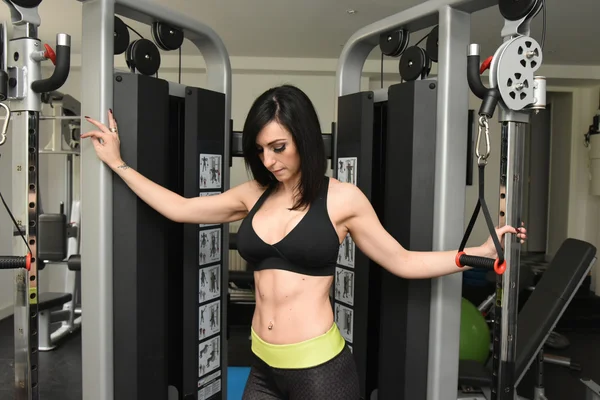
(292, 322)
(313, 350)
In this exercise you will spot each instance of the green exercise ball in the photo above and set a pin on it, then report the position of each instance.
(475, 336)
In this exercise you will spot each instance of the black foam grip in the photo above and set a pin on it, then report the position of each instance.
(474, 77)
(489, 103)
(13, 262)
(60, 74)
(74, 262)
(477, 262)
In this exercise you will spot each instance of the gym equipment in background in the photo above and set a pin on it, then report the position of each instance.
(155, 284)
(22, 87)
(475, 335)
(58, 236)
(537, 318)
(392, 323)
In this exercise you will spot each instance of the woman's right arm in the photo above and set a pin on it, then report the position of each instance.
(222, 208)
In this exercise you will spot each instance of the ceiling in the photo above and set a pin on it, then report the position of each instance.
(319, 28)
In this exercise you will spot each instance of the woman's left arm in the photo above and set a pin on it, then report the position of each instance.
(377, 244)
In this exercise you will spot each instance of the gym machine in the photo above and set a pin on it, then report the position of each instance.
(397, 350)
(58, 237)
(22, 86)
(153, 326)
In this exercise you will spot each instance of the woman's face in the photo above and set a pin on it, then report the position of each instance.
(278, 152)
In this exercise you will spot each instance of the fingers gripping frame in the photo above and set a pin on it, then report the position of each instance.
(97, 98)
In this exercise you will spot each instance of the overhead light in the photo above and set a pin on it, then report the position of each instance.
(351, 11)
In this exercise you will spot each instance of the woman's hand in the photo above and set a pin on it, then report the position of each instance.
(490, 249)
(106, 141)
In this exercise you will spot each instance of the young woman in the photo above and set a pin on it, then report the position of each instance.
(295, 218)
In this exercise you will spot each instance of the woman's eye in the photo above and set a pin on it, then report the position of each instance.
(280, 149)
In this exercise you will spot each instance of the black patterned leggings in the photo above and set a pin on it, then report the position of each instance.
(336, 379)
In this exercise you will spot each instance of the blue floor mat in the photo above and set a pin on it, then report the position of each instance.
(236, 381)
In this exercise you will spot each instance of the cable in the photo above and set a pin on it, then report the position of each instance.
(382, 70)
(180, 63)
(15, 222)
(543, 23)
(423, 38)
(136, 32)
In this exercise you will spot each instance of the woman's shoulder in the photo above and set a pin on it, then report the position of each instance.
(340, 192)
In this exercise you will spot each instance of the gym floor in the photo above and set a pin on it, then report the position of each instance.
(60, 370)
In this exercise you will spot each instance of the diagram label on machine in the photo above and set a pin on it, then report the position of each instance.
(209, 357)
(344, 318)
(209, 386)
(346, 252)
(210, 171)
(346, 170)
(202, 194)
(210, 319)
(209, 283)
(344, 286)
(210, 246)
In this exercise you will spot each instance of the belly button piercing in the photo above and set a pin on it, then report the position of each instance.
(270, 325)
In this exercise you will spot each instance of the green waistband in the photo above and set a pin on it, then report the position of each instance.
(306, 354)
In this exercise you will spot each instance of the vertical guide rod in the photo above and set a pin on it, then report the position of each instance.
(507, 285)
(25, 141)
(97, 200)
(449, 202)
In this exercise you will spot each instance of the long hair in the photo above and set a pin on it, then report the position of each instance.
(290, 107)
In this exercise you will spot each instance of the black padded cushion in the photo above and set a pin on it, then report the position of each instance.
(50, 300)
(542, 310)
(550, 298)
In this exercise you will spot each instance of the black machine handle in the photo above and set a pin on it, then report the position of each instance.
(463, 259)
(15, 262)
(490, 96)
(61, 70)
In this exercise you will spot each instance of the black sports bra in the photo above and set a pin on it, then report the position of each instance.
(310, 248)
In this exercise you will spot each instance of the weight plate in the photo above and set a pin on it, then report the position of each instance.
(432, 44)
(515, 10)
(27, 3)
(167, 37)
(121, 36)
(413, 63)
(393, 44)
(145, 57)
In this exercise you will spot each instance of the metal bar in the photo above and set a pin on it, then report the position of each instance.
(96, 179)
(96, 205)
(360, 45)
(593, 389)
(511, 195)
(25, 309)
(449, 203)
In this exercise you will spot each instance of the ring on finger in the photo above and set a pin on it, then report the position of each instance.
(113, 130)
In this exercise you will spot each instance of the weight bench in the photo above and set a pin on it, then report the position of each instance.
(537, 319)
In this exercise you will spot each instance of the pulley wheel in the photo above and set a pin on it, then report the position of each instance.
(121, 36)
(167, 37)
(393, 44)
(432, 43)
(515, 10)
(143, 55)
(413, 63)
(27, 3)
